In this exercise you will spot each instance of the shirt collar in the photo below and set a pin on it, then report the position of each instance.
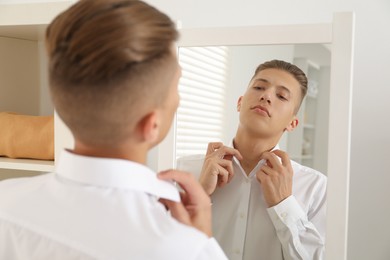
(254, 170)
(295, 166)
(114, 173)
(232, 145)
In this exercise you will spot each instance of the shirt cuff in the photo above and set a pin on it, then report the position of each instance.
(286, 213)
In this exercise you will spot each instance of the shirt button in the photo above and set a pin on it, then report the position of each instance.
(237, 251)
(284, 214)
(242, 215)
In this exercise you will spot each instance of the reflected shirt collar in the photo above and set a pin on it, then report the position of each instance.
(254, 170)
(114, 173)
(232, 145)
(294, 165)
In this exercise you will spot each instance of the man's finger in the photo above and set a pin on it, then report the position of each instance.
(267, 170)
(271, 158)
(223, 176)
(228, 153)
(261, 175)
(178, 211)
(213, 146)
(186, 181)
(222, 151)
(229, 167)
(284, 157)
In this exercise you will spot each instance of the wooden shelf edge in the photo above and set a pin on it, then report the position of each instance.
(26, 164)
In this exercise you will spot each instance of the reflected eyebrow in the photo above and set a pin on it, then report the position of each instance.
(279, 86)
(262, 80)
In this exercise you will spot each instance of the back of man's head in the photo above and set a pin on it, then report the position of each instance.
(109, 62)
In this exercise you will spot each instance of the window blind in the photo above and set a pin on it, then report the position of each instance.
(202, 90)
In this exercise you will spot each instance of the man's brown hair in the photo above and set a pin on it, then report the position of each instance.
(292, 69)
(108, 61)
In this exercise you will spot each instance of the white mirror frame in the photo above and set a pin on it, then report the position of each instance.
(340, 35)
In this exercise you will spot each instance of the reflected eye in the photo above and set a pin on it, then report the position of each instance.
(281, 97)
(258, 88)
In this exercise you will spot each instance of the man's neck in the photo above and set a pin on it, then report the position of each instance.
(251, 148)
(127, 152)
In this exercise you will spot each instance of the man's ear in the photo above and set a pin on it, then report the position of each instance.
(292, 125)
(148, 127)
(239, 104)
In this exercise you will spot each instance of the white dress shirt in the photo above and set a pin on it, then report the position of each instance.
(95, 208)
(247, 229)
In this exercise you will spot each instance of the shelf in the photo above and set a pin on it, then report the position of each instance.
(26, 164)
(309, 126)
(22, 35)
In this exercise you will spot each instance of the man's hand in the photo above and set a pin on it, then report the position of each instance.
(195, 206)
(275, 177)
(217, 168)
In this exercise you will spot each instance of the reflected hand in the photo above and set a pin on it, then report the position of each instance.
(275, 177)
(195, 206)
(217, 168)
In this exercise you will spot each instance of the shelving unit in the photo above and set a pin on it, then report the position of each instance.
(26, 164)
(307, 144)
(23, 76)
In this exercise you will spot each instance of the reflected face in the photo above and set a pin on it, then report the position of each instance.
(269, 104)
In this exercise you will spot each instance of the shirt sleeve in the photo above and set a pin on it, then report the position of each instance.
(211, 250)
(300, 238)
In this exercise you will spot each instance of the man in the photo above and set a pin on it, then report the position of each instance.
(113, 79)
(265, 206)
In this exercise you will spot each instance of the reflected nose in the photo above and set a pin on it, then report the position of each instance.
(266, 97)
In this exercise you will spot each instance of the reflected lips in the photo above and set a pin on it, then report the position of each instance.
(261, 110)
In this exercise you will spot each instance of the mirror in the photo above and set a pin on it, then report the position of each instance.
(213, 78)
(339, 35)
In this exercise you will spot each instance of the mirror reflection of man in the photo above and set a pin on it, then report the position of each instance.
(265, 206)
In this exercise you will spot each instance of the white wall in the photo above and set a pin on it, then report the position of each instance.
(370, 175)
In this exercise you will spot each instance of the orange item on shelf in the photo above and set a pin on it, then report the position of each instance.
(24, 136)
